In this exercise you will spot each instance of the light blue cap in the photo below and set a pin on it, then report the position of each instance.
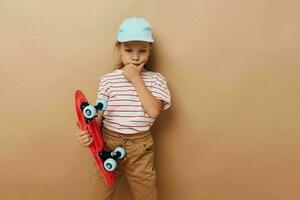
(135, 29)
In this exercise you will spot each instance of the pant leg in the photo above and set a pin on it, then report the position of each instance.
(99, 190)
(140, 171)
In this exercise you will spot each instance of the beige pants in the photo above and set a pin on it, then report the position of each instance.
(137, 166)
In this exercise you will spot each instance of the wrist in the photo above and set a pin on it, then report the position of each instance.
(136, 80)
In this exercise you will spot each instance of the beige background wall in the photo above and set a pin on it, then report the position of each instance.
(233, 71)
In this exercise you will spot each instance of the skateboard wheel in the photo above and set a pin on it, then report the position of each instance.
(121, 150)
(89, 112)
(103, 104)
(110, 164)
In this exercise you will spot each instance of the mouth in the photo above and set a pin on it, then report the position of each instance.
(137, 64)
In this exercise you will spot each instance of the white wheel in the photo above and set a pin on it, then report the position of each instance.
(122, 152)
(110, 164)
(104, 104)
(89, 112)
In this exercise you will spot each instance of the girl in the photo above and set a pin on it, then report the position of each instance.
(135, 98)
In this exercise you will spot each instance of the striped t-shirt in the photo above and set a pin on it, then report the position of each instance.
(125, 113)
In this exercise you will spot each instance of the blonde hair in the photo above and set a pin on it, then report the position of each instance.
(118, 62)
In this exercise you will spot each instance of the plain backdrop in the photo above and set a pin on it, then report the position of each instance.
(232, 67)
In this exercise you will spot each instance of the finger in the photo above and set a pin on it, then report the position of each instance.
(125, 69)
(84, 141)
(140, 67)
(88, 143)
(128, 65)
(81, 133)
(86, 136)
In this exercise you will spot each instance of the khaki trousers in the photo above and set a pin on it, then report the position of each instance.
(137, 166)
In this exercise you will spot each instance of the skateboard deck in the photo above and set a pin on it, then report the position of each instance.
(98, 144)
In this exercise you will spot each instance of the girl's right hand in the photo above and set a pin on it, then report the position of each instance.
(84, 138)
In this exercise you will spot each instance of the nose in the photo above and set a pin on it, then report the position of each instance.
(135, 56)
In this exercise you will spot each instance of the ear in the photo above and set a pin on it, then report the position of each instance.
(118, 46)
(150, 47)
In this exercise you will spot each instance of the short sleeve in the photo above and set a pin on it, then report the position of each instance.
(103, 93)
(161, 91)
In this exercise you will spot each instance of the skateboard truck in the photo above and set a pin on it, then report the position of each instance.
(90, 112)
(108, 157)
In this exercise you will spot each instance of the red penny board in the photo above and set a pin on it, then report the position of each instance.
(98, 144)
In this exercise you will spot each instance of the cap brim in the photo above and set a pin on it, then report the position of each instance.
(128, 39)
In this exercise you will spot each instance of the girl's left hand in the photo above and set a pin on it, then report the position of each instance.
(131, 71)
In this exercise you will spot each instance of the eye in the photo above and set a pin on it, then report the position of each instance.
(143, 50)
(128, 50)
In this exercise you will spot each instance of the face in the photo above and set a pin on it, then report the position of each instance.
(135, 52)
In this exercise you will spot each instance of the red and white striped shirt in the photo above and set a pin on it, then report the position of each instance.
(125, 113)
